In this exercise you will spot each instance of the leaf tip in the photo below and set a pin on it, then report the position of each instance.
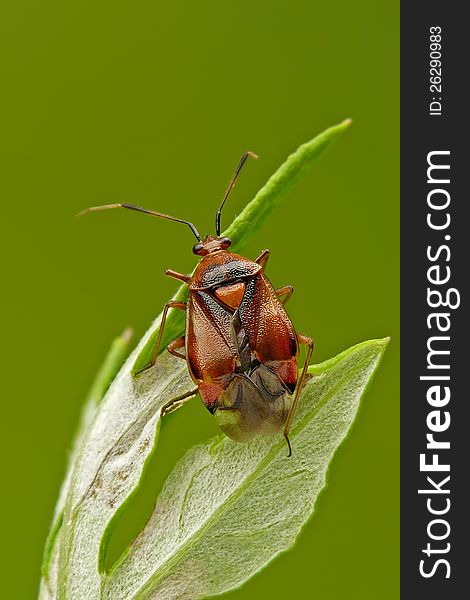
(384, 341)
(380, 343)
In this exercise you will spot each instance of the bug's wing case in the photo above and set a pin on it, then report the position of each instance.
(210, 351)
(270, 332)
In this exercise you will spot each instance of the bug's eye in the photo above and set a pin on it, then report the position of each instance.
(198, 247)
(225, 242)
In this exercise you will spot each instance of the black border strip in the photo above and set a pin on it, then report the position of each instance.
(424, 246)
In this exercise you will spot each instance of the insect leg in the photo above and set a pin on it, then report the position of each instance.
(156, 348)
(177, 402)
(176, 275)
(307, 341)
(263, 259)
(174, 345)
(286, 291)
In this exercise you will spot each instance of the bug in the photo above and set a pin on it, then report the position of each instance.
(240, 345)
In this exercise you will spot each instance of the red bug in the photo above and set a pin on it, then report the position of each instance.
(240, 345)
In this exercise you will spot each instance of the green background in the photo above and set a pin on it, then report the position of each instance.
(153, 103)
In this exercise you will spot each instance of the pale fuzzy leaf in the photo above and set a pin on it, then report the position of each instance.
(113, 361)
(109, 467)
(227, 509)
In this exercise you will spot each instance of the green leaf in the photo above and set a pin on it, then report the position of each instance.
(109, 467)
(248, 222)
(115, 357)
(228, 509)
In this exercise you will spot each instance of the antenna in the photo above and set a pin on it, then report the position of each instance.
(229, 189)
(144, 210)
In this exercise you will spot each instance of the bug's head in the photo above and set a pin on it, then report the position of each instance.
(211, 244)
